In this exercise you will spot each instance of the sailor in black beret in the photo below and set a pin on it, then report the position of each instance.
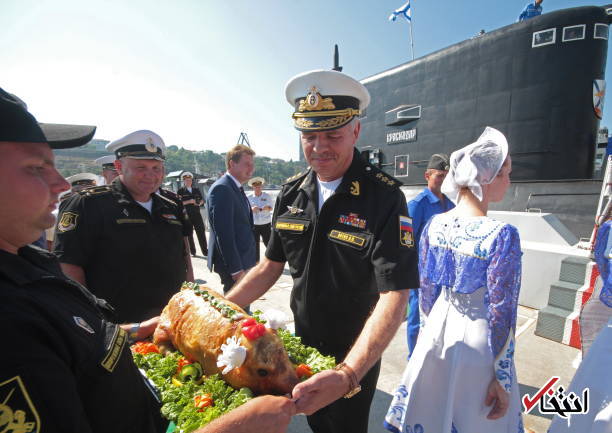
(19, 126)
(47, 318)
(439, 161)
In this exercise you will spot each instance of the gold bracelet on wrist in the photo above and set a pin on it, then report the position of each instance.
(354, 386)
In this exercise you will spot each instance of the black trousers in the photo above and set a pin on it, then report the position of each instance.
(198, 227)
(228, 282)
(261, 231)
(348, 415)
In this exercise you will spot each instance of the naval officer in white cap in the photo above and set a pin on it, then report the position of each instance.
(80, 181)
(342, 225)
(109, 171)
(124, 241)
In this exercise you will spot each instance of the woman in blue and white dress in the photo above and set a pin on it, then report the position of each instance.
(461, 376)
(595, 371)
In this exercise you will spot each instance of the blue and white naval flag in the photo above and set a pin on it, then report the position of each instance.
(402, 11)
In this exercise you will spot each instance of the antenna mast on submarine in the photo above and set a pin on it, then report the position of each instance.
(337, 66)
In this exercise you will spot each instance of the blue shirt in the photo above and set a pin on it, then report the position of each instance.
(530, 11)
(423, 207)
(603, 257)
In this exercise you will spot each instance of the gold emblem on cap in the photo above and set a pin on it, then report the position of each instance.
(314, 102)
(150, 146)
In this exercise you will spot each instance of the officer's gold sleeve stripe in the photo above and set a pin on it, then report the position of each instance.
(114, 351)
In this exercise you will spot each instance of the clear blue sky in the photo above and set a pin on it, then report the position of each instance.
(200, 72)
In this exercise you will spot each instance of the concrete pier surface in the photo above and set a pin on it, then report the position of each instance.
(536, 358)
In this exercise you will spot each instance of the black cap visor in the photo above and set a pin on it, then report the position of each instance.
(19, 126)
(66, 136)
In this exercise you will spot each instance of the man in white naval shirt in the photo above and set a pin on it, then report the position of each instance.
(261, 205)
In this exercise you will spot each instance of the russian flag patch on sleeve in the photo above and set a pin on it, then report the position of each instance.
(406, 234)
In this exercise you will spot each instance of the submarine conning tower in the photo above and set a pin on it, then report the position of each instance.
(540, 82)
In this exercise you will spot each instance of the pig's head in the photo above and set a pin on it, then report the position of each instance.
(266, 369)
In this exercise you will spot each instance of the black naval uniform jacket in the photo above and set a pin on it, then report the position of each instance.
(195, 194)
(65, 367)
(342, 255)
(132, 258)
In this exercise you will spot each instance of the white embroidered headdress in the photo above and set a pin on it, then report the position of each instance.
(476, 164)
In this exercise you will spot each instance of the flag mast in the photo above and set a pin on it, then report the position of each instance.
(411, 39)
(406, 12)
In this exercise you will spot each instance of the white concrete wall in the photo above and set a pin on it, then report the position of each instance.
(545, 242)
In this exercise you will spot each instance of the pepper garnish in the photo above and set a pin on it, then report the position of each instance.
(202, 401)
(144, 347)
(252, 330)
(303, 370)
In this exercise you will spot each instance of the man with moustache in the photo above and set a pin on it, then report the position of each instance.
(343, 228)
(126, 242)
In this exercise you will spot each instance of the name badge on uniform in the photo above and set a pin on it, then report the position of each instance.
(406, 233)
(294, 227)
(358, 241)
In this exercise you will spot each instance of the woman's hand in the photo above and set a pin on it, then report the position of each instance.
(497, 397)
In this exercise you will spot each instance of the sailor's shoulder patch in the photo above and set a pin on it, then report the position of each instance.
(380, 177)
(297, 177)
(67, 221)
(17, 411)
(95, 191)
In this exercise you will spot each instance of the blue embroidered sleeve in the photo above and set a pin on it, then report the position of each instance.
(429, 290)
(603, 257)
(503, 285)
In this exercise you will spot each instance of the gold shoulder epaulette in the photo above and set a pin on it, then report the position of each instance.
(95, 190)
(166, 199)
(381, 177)
(297, 176)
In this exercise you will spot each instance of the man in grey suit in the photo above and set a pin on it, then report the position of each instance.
(232, 249)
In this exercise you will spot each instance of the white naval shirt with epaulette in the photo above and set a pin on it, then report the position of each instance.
(263, 216)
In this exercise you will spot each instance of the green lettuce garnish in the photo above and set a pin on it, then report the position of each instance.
(178, 403)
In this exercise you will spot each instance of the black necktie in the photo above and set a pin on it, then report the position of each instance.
(247, 202)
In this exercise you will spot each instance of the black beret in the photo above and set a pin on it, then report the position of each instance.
(439, 161)
(17, 125)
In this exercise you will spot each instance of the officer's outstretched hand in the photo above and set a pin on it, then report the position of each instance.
(270, 414)
(320, 390)
(147, 328)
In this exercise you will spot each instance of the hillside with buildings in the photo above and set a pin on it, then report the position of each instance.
(205, 163)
